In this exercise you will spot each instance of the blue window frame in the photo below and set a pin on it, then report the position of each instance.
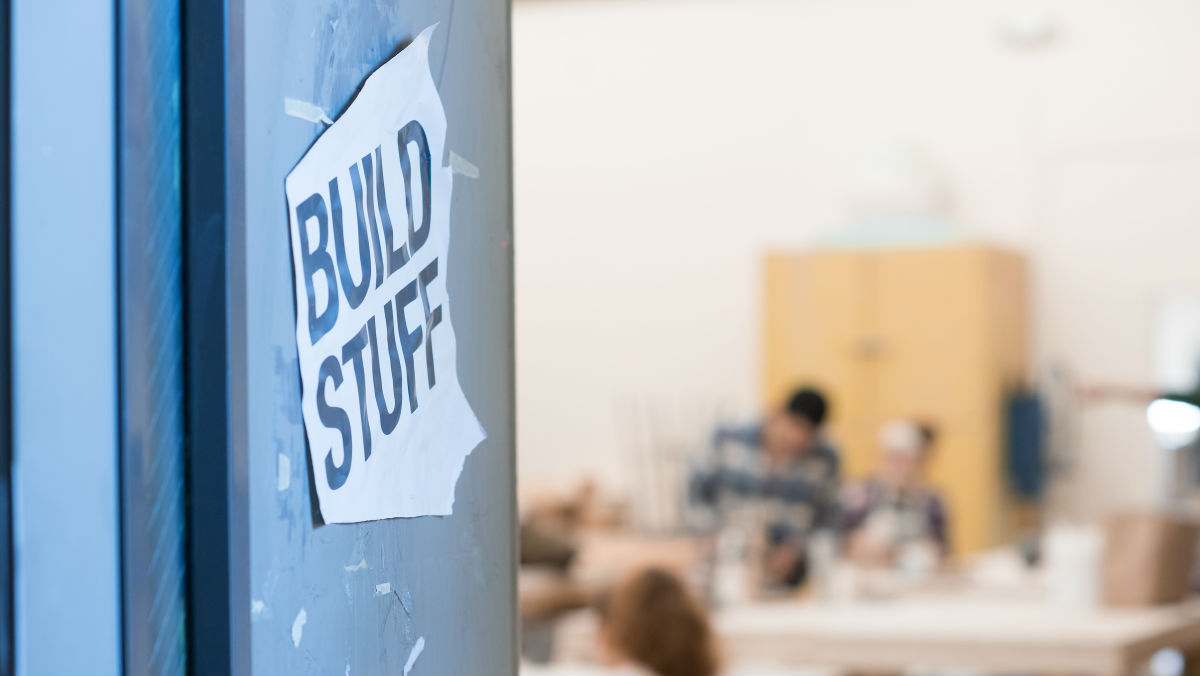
(151, 308)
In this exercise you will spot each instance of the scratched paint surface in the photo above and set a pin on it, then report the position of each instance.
(358, 598)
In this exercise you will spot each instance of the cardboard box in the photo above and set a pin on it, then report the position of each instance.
(1148, 558)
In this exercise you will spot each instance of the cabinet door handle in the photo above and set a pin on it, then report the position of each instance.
(870, 346)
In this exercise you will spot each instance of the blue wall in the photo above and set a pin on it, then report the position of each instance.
(451, 579)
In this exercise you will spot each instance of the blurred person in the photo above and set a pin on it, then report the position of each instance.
(651, 623)
(896, 514)
(784, 473)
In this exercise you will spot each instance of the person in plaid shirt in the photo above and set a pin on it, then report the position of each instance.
(896, 517)
(781, 475)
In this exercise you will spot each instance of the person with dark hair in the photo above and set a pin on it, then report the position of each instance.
(808, 404)
(783, 474)
(650, 622)
(896, 518)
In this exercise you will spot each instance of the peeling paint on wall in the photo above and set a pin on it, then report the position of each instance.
(298, 627)
(284, 480)
(417, 649)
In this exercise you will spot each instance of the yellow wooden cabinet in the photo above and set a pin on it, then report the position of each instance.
(936, 335)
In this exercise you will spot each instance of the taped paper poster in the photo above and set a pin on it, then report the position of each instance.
(387, 424)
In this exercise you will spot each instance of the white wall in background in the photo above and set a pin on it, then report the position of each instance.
(661, 146)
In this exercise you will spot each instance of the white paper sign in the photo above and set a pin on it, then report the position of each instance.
(387, 424)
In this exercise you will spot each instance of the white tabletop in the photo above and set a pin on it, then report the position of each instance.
(949, 618)
(982, 632)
